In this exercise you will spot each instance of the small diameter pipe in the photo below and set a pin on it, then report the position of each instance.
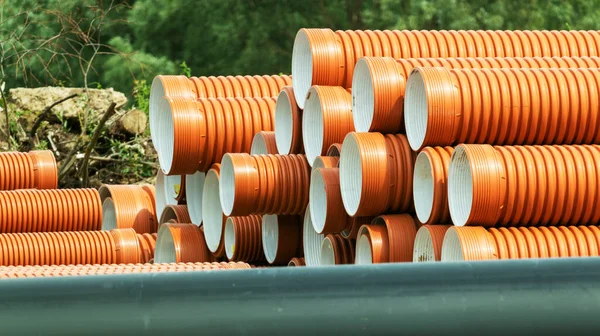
(281, 238)
(372, 245)
(430, 185)
(376, 174)
(288, 123)
(298, 262)
(428, 243)
(194, 186)
(128, 206)
(263, 143)
(389, 238)
(326, 119)
(336, 250)
(311, 241)
(479, 243)
(181, 243)
(524, 185)
(243, 239)
(45, 171)
(178, 213)
(162, 190)
(213, 218)
(264, 184)
(35, 169)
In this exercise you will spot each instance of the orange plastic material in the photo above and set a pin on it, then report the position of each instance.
(430, 185)
(187, 242)
(179, 213)
(240, 86)
(550, 106)
(264, 143)
(380, 82)
(354, 224)
(132, 207)
(521, 243)
(36, 169)
(325, 57)
(376, 174)
(378, 244)
(524, 185)
(84, 270)
(428, 243)
(31, 210)
(147, 244)
(69, 248)
(264, 184)
(282, 237)
(288, 123)
(325, 162)
(297, 262)
(401, 231)
(326, 119)
(205, 129)
(342, 249)
(246, 244)
(334, 150)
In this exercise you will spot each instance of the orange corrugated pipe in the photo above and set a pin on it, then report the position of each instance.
(128, 206)
(428, 243)
(243, 239)
(354, 224)
(194, 134)
(524, 185)
(181, 242)
(325, 57)
(379, 83)
(288, 123)
(372, 245)
(147, 244)
(550, 106)
(376, 174)
(430, 185)
(334, 150)
(264, 184)
(297, 262)
(31, 210)
(179, 213)
(77, 247)
(263, 143)
(326, 119)
(83, 270)
(479, 243)
(389, 238)
(35, 169)
(213, 219)
(336, 250)
(281, 237)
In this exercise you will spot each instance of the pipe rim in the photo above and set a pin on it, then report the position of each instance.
(423, 187)
(157, 94)
(423, 250)
(460, 187)
(363, 97)
(258, 146)
(302, 67)
(364, 255)
(229, 238)
(284, 123)
(160, 194)
(165, 136)
(351, 174)
(212, 220)
(313, 127)
(451, 247)
(318, 201)
(194, 194)
(327, 253)
(270, 236)
(227, 185)
(165, 246)
(109, 214)
(416, 110)
(172, 188)
(311, 241)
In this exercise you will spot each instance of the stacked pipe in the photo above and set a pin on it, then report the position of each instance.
(32, 170)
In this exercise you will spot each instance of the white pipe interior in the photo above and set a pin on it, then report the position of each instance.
(364, 255)
(165, 247)
(270, 236)
(160, 194)
(302, 67)
(423, 248)
(423, 187)
(211, 211)
(460, 187)
(350, 175)
(229, 238)
(166, 136)
(194, 195)
(109, 214)
(157, 92)
(416, 110)
(258, 145)
(312, 241)
(313, 128)
(172, 188)
(451, 247)
(327, 253)
(284, 124)
(227, 185)
(318, 201)
(363, 97)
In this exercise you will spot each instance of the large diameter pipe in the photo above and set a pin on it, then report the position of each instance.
(486, 297)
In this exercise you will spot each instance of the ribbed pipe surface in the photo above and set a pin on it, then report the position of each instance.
(372, 245)
(128, 206)
(31, 210)
(325, 57)
(263, 143)
(478, 243)
(45, 170)
(297, 262)
(181, 243)
(336, 250)
(376, 174)
(35, 169)
(147, 243)
(524, 185)
(379, 83)
(288, 123)
(264, 184)
(401, 231)
(430, 185)
(281, 238)
(243, 239)
(311, 241)
(178, 213)
(550, 106)
(326, 119)
(428, 243)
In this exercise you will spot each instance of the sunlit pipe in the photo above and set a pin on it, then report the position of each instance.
(428, 243)
(179, 213)
(263, 143)
(213, 218)
(165, 192)
(128, 206)
(181, 243)
(430, 185)
(288, 123)
(311, 241)
(194, 186)
(243, 239)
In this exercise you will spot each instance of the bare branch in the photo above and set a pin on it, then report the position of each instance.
(88, 151)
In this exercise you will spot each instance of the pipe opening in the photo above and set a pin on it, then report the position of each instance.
(284, 124)
(327, 253)
(194, 194)
(211, 211)
(166, 136)
(363, 97)
(160, 194)
(302, 67)
(109, 214)
(312, 241)
(172, 188)
(351, 174)
(460, 187)
(423, 248)
(227, 185)
(259, 145)
(364, 255)
(270, 236)
(157, 93)
(229, 238)
(423, 187)
(318, 201)
(451, 247)
(165, 247)
(313, 127)
(416, 110)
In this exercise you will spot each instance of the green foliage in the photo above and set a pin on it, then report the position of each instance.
(141, 94)
(185, 69)
(42, 145)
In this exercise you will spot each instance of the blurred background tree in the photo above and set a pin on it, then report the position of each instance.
(111, 43)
